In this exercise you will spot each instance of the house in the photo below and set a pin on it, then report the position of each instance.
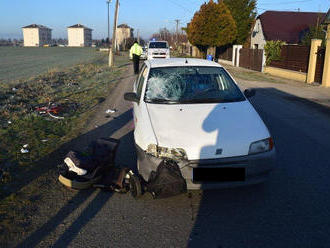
(286, 26)
(79, 36)
(123, 33)
(36, 35)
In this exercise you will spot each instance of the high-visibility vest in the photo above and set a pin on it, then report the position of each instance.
(136, 49)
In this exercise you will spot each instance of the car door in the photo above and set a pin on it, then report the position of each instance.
(138, 90)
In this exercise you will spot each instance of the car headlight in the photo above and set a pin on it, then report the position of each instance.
(164, 152)
(264, 145)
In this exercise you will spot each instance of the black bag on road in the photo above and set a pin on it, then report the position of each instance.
(167, 180)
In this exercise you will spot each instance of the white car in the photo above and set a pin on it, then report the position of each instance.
(158, 50)
(192, 111)
(144, 53)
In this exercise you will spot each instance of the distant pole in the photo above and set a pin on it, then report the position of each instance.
(108, 3)
(177, 29)
(138, 36)
(116, 16)
(110, 55)
(113, 44)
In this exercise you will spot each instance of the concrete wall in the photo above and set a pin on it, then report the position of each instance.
(87, 37)
(123, 34)
(326, 69)
(31, 37)
(34, 37)
(257, 36)
(76, 37)
(293, 75)
(45, 36)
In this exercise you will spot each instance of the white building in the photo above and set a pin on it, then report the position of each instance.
(124, 32)
(79, 36)
(36, 35)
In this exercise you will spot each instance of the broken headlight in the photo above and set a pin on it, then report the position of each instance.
(264, 145)
(164, 152)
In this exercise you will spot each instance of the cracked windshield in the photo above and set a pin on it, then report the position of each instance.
(191, 85)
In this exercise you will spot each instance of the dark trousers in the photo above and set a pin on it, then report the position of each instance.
(136, 63)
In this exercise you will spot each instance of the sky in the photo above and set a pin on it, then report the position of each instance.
(147, 16)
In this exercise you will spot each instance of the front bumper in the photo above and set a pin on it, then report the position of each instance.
(257, 168)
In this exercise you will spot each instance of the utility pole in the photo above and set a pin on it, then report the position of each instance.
(113, 44)
(108, 3)
(138, 36)
(177, 29)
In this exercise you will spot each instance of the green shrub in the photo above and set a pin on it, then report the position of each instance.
(273, 50)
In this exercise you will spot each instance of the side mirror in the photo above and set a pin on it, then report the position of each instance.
(131, 97)
(249, 93)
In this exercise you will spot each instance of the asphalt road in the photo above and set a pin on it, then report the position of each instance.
(292, 209)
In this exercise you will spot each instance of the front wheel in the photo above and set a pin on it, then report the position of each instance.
(135, 186)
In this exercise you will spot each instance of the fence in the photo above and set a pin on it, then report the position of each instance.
(251, 59)
(319, 65)
(225, 53)
(293, 57)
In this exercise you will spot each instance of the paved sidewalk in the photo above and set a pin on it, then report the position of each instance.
(252, 79)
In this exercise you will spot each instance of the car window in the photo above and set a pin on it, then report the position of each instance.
(141, 78)
(191, 84)
(158, 45)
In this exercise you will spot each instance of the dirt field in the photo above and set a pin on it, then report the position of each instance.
(23, 62)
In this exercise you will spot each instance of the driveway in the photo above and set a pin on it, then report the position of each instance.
(289, 210)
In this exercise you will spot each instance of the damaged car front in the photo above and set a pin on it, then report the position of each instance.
(191, 111)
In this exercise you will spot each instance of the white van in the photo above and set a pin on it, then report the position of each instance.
(158, 49)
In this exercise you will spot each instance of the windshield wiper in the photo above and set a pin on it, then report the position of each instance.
(160, 100)
(209, 100)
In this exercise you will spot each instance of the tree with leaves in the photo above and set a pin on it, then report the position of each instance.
(244, 14)
(314, 32)
(212, 26)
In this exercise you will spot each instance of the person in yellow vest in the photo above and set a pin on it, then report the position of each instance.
(135, 53)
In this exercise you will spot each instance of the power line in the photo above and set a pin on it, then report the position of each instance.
(294, 2)
(181, 6)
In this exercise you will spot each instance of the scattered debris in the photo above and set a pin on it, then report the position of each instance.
(52, 108)
(73, 84)
(44, 140)
(14, 89)
(24, 150)
(25, 146)
(110, 111)
(9, 122)
(55, 117)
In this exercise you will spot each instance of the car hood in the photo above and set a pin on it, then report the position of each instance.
(207, 131)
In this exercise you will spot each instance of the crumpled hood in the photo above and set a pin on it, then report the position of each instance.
(207, 131)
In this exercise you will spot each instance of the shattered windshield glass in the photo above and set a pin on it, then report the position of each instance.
(191, 84)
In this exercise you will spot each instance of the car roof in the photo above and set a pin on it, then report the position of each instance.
(173, 62)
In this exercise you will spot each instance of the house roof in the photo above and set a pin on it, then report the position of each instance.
(79, 26)
(36, 26)
(123, 26)
(327, 18)
(288, 26)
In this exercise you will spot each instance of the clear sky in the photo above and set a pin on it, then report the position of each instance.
(146, 15)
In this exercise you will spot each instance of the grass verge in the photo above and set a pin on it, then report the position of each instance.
(78, 89)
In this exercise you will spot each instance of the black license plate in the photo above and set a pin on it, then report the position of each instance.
(218, 174)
